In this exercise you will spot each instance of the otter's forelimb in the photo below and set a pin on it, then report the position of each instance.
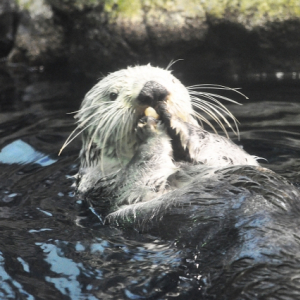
(194, 144)
(146, 175)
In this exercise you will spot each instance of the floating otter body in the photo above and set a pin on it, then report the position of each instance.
(112, 109)
(159, 171)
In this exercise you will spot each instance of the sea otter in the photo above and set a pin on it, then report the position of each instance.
(148, 163)
(112, 109)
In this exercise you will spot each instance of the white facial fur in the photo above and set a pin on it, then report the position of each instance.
(110, 123)
(111, 110)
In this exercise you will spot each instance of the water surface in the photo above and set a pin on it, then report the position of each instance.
(52, 246)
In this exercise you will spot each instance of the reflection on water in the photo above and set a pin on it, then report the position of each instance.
(19, 152)
(53, 247)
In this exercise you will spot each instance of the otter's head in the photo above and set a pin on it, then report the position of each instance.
(111, 109)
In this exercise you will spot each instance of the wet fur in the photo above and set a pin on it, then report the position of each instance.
(240, 222)
(240, 219)
(108, 125)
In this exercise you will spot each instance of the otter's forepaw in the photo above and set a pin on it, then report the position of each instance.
(148, 127)
(164, 113)
(178, 130)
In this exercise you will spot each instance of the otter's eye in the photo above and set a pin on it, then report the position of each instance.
(113, 96)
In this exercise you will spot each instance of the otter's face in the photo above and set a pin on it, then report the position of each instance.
(140, 87)
(111, 110)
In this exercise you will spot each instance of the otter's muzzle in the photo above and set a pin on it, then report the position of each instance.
(152, 93)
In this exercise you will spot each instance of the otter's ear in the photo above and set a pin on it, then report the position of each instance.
(113, 96)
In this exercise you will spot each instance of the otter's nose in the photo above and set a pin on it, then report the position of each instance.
(151, 93)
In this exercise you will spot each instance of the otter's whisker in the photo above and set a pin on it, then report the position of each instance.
(108, 132)
(88, 148)
(224, 110)
(209, 112)
(171, 63)
(212, 115)
(98, 112)
(74, 137)
(66, 142)
(122, 131)
(70, 137)
(217, 108)
(213, 97)
(102, 121)
(202, 118)
(220, 112)
(123, 140)
(82, 109)
(121, 112)
(119, 143)
(215, 87)
(119, 133)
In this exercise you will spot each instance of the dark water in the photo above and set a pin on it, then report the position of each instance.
(52, 246)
